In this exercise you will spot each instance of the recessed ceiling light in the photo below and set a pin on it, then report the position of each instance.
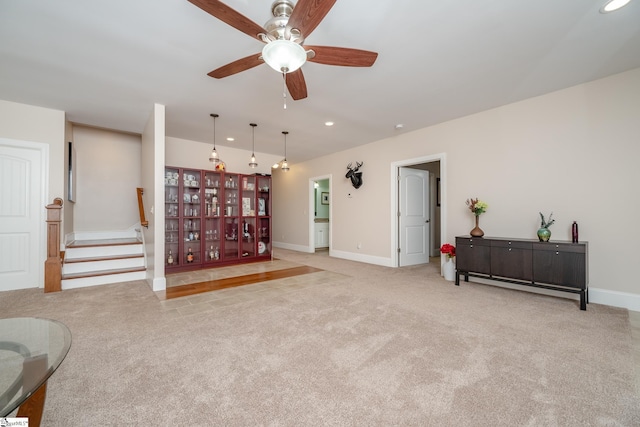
(399, 126)
(328, 123)
(230, 139)
(612, 5)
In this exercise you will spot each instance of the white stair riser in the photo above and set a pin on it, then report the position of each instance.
(105, 235)
(99, 251)
(103, 280)
(111, 264)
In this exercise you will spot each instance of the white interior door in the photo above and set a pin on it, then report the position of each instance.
(413, 216)
(21, 216)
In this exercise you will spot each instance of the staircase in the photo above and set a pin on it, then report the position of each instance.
(92, 260)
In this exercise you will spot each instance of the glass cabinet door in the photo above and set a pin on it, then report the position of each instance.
(248, 213)
(231, 216)
(263, 232)
(171, 220)
(191, 221)
(212, 218)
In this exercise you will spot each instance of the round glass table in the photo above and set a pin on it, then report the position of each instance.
(31, 349)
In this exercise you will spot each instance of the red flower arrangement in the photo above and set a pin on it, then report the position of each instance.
(448, 250)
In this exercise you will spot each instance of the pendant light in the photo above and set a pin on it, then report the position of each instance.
(285, 165)
(213, 157)
(253, 163)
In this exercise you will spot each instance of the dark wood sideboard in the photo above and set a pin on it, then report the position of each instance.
(559, 266)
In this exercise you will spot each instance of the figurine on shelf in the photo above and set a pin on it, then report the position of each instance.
(190, 255)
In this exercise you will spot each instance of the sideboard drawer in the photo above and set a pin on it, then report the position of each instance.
(579, 248)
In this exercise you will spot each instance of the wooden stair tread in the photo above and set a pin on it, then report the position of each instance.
(102, 258)
(102, 273)
(104, 242)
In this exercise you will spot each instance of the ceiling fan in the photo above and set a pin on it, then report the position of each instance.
(283, 36)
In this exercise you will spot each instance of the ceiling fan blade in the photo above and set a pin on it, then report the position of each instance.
(237, 66)
(307, 14)
(296, 84)
(230, 16)
(331, 55)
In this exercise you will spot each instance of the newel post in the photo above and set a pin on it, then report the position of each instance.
(53, 264)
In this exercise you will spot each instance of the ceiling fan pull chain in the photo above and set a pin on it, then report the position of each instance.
(284, 89)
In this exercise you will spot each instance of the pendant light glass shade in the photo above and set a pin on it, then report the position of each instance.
(285, 165)
(213, 157)
(252, 162)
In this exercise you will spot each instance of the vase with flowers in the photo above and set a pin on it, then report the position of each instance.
(544, 234)
(448, 267)
(477, 207)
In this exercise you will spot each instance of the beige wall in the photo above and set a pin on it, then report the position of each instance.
(42, 125)
(194, 154)
(573, 152)
(108, 173)
(37, 124)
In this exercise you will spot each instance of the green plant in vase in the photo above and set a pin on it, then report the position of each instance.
(477, 207)
(543, 232)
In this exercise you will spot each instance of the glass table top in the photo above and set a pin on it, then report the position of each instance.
(31, 349)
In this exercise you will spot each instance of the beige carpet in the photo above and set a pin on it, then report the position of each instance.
(356, 345)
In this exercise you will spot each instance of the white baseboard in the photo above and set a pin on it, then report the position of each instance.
(292, 247)
(369, 259)
(158, 283)
(596, 295)
(615, 298)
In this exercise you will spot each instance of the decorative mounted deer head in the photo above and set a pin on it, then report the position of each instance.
(354, 175)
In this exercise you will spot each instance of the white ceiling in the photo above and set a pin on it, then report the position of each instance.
(106, 62)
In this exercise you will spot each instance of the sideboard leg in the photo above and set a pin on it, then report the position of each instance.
(457, 278)
(583, 300)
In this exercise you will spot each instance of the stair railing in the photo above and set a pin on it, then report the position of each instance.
(53, 263)
(143, 219)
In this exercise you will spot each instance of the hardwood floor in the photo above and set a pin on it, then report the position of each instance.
(230, 282)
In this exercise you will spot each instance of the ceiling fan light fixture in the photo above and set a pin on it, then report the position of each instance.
(284, 56)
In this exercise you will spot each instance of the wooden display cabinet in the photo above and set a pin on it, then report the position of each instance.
(215, 218)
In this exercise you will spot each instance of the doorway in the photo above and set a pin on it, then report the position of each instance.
(320, 214)
(22, 229)
(418, 214)
(414, 216)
